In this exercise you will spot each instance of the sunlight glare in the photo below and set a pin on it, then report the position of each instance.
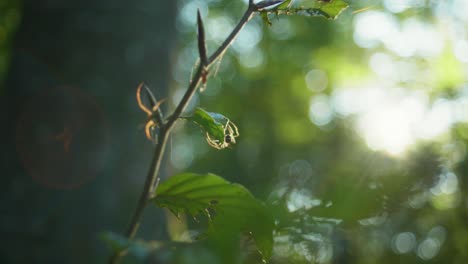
(386, 129)
(397, 118)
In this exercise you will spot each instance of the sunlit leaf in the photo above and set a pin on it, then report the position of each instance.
(211, 123)
(219, 200)
(331, 9)
(328, 9)
(285, 4)
(220, 131)
(270, 3)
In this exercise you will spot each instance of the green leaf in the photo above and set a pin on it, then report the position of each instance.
(211, 123)
(114, 241)
(269, 3)
(285, 4)
(329, 10)
(225, 204)
(265, 18)
(220, 131)
(139, 249)
(194, 193)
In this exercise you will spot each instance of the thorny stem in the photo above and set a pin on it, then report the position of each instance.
(166, 128)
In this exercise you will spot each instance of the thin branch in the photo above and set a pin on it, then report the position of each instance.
(147, 193)
(152, 178)
(247, 16)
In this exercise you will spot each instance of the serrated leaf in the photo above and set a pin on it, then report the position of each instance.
(219, 200)
(330, 9)
(211, 123)
(194, 193)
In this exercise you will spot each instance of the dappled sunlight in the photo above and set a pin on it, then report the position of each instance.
(412, 37)
(402, 5)
(403, 243)
(357, 123)
(321, 111)
(393, 119)
(301, 199)
(428, 249)
(249, 38)
(387, 114)
(252, 58)
(387, 128)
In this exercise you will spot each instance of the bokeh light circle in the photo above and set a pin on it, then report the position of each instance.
(61, 138)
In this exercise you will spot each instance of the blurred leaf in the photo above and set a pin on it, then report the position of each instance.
(330, 9)
(265, 18)
(350, 202)
(221, 201)
(270, 3)
(211, 123)
(448, 71)
(285, 4)
(185, 253)
(114, 241)
(263, 226)
(139, 249)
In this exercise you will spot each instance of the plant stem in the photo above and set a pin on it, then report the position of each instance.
(166, 128)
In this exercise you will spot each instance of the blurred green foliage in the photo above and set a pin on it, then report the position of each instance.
(335, 195)
(9, 18)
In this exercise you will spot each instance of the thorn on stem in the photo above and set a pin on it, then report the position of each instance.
(150, 95)
(201, 41)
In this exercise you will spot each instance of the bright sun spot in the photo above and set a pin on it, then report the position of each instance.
(389, 116)
(386, 129)
(393, 119)
(390, 124)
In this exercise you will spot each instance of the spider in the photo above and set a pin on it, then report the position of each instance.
(230, 134)
(153, 118)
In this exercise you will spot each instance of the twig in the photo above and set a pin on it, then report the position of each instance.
(155, 105)
(152, 178)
